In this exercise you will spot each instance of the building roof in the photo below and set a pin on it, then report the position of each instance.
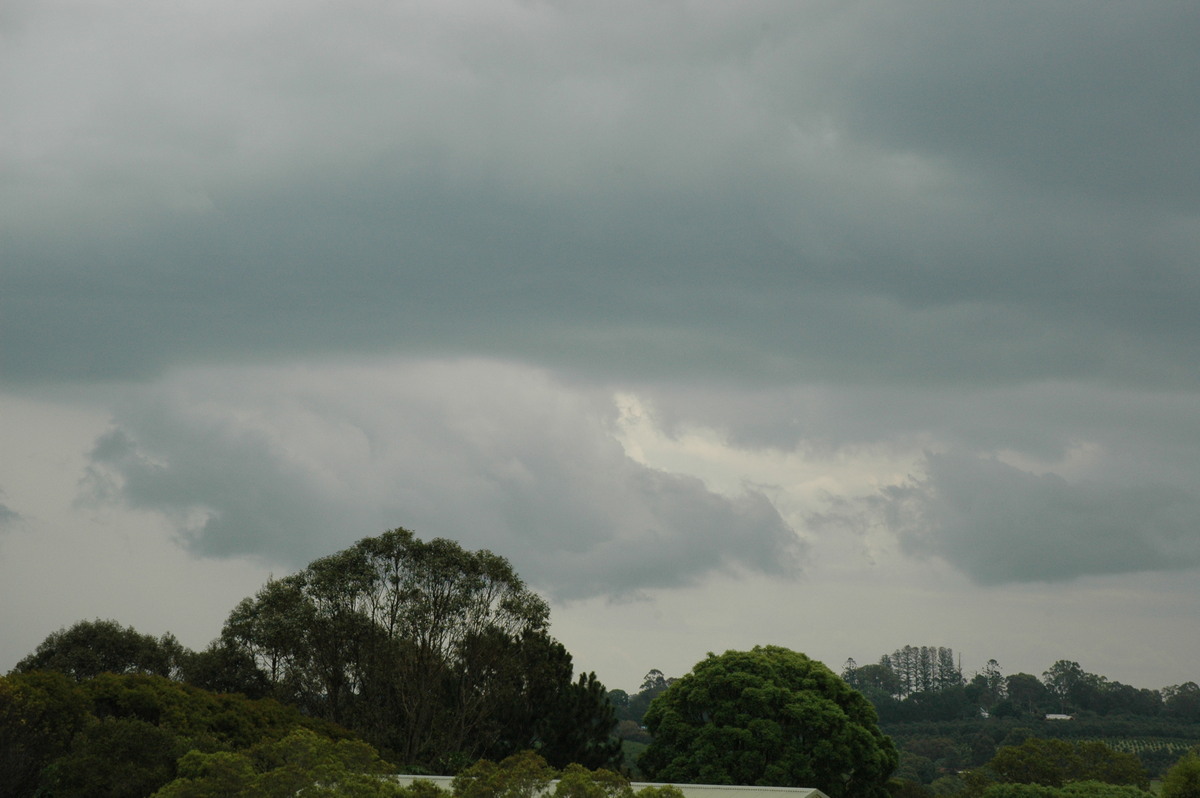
(737, 791)
(688, 790)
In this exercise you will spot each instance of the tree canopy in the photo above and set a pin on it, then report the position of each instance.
(1076, 789)
(90, 648)
(302, 763)
(435, 654)
(1183, 779)
(123, 734)
(770, 717)
(528, 775)
(1053, 763)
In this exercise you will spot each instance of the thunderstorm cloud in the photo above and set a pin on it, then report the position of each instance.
(652, 299)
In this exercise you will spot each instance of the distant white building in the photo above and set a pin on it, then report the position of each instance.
(688, 790)
(1059, 717)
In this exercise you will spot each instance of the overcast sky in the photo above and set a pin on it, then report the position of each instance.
(833, 325)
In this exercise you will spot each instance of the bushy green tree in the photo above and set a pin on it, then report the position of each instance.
(1076, 789)
(1026, 693)
(1068, 683)
(1183, 779)
(115, 758)
(769, 716)
(576, 781)
(522, 775)
(40, 713)
(653, 685)
(947, 785)
(118, 735)
(1100, 789)
(209, 720)
(1053, 763)
(90, 648)
(1098, 762)
(659, 791)
(302, 763)
(907, 788)
(222, 668)
(1020, 791)
(1182, 702)
(220, 774)
(528, 775)
(874, 680)
(1036, 761)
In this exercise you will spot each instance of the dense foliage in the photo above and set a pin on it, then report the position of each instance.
(1054, 763)
(316, 767)
(436, 657)
(435, 654)
(90, 648)
(944, 723)
(916, 684)
(769, 716)
(1079, 789)
(630, 709)
(1183, 780)
(302, 763)
(123, 734)
(526, 775)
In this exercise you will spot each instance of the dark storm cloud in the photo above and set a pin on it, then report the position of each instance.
(1074, 97)
(970, 229)
(525, 470)
(1001, 524)
(786, 193)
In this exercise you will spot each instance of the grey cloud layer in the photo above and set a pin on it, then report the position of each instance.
(1039, 482)
(1072, 97)
(783, 193)
(288, 467)
(1001, 524)
(971, 229)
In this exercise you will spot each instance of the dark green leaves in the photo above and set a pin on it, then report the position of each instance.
(90, 648)
(769, 716)
(434, 653)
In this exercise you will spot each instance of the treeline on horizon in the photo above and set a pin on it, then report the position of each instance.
(943, 721)
(919, 684)
(434, 658)
(923, 684)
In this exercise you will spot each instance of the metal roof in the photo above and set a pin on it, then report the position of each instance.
(736, 791)
(689, 790)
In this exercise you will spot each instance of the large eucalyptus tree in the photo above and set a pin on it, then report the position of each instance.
(435, 653)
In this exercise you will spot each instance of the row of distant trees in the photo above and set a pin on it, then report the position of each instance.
(631, 709)
(906, 671)
(925, 684)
